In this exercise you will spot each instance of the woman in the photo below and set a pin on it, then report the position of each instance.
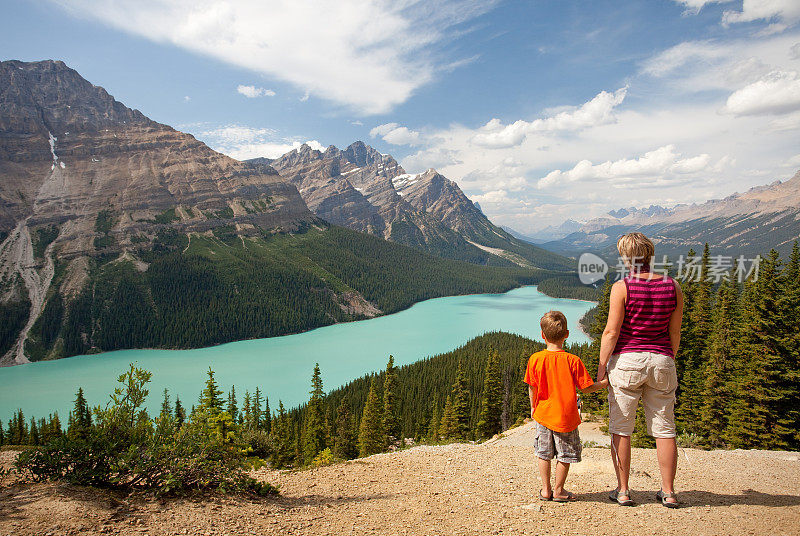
(637, 351)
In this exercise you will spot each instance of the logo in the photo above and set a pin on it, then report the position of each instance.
(591, 268)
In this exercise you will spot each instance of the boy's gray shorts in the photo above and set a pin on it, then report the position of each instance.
(564, 446)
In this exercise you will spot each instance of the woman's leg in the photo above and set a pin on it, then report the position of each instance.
(621, 458)
(667, 452)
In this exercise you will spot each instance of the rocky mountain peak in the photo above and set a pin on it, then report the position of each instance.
(49, 96)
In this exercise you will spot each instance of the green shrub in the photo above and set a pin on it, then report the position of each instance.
(125, 449)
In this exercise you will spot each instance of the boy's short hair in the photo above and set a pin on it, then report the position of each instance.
(554, 325)
(635, 249)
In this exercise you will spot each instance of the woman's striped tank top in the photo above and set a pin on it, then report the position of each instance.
(648, 307)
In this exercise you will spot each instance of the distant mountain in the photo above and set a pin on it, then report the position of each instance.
(746, 223)
(551, 232)
(367, 191)
(119, 232)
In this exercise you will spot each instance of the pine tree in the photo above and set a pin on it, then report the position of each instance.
(81, 421)
(256, 403)
(433, 426)
(346, 440)
(33, 436)
(314, 431)
(166, 408)
(391, 420)
(282, 439)
(180, 413)
(758, 413)
(489, 422)
(460, 405)
(371, 436)
(719, 368)
(266, 423)
(211, 396)
(788, 339)
(698, 322)
(247, 410)
(233, 407)
(447, 428)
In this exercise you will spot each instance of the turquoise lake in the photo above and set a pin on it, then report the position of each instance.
(281, 366)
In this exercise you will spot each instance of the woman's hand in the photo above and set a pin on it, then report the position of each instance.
(601, 374)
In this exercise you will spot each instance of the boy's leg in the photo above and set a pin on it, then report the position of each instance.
(569, 448)
(544, 472)
(545, 449)
(562, 470)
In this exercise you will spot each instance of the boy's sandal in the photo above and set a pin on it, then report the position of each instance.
(615, 496)
(545, 497)
(662, 496)
(569, 498)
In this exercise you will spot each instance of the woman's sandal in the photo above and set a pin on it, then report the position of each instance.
(662, 496)
(569, 498)
(615, 495)
(545, 497)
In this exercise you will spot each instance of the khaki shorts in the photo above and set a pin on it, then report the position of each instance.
(646, 375)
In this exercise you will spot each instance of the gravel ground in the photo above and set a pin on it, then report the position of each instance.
(451, 489)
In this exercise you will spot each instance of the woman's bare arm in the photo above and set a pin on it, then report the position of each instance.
(616, 314)
(675, 320)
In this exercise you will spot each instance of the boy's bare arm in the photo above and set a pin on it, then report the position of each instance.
(532, 397)
(596, 386)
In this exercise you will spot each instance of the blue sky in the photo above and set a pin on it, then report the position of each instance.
(540, 110)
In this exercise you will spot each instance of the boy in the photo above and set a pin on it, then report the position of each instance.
(552, 376)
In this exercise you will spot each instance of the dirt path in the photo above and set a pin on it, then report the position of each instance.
(452, 489)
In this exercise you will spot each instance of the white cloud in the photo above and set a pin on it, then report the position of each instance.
(305, 96)
(367, 55)
(395, 134)
(777, 93)
(242, 142)
(597, 111)
(252, 92)
(436, 157)
(693, 7)
(653, 168)
(187, 98)
(785, 11)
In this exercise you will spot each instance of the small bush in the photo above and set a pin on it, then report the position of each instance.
(325, 457)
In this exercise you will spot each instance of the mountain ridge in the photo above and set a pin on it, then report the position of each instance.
(749, 223)
(365, 190)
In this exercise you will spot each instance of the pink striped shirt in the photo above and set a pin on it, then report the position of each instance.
(648, 307)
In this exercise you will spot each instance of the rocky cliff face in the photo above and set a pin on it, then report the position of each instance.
(360, 188)
(82, 175)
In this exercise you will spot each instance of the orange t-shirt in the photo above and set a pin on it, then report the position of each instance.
(555, 375)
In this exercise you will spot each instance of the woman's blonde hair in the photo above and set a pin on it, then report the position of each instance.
(635, 249)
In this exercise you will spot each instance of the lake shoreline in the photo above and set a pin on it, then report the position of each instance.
(281, 366)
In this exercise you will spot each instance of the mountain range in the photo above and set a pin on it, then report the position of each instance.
(367, 191)
(748, 223)
(120, 232)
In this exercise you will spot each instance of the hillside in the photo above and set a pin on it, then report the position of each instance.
(746, 223)
(120, 232)
(367, 191)
(452, 489)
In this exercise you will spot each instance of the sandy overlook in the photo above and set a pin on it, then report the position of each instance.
(452, 489)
